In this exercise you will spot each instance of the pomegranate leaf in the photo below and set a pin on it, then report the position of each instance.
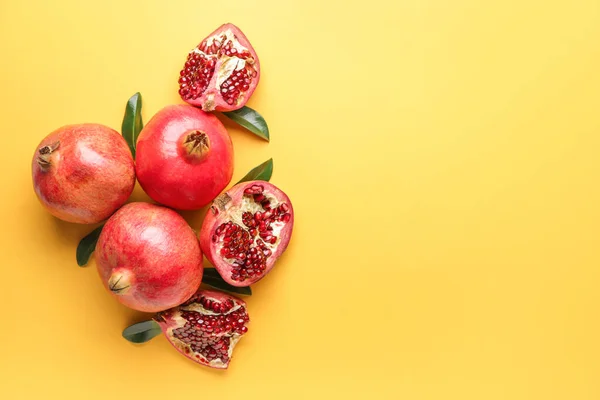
(142, 331)
(261, 173)
(87, 245)
(132, 121)
(251, 120)
(212, 278)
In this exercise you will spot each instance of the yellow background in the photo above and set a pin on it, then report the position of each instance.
(442, 158)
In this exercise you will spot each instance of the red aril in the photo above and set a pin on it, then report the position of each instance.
(184, 157)
(222, 72)
(149, 258)
(246, 229)
(207, 327)
(83, 173)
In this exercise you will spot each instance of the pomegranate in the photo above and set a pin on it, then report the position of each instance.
(222, 72)
(207, 327)
(149, 257)
(184, 157)
(246, 229)
(83, 173)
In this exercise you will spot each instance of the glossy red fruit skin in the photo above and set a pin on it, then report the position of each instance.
(149, 258)
(166, 169)
(170, 319)
(219, 212)
(211, 99)
(83, 173)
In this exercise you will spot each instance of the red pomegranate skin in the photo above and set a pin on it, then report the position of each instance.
(184, 157)
(149, 257)
(83, 173)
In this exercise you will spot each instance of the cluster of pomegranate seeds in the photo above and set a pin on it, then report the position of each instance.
(195, 75)
(210, 335)
(237, 83)
(200, 67)
(247, 246)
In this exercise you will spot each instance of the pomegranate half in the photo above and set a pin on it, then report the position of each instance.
(83, 173)
(246, 229)
(207, 327)
(222, 72)
(184, 157)
(149, 258)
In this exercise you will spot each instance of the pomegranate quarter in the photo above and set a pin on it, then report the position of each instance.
(222, 72)
(207, 327)
(246, 229)
(184, 157)
(83, 173)
(149, 258)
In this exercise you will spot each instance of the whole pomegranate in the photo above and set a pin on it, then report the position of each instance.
(83, 173)
(222, 72)
(207, 327)
(184, 157)
(149, 257)
(246, 229)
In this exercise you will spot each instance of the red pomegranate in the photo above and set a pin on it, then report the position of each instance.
(207, 327)
(222, 72)
(149, 257)
(184, 157)
(83, 173)
(246, 229)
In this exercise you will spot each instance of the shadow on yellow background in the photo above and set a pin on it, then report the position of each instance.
(442, 158)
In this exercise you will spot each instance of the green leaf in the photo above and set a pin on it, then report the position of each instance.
(87, 245)
(132, 121)
(142, 331)
(212, 278)
(261, 173)
(251, 120)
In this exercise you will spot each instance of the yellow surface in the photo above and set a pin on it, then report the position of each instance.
(442, 157)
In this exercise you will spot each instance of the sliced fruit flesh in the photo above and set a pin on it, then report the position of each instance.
(252, 233)
(236, 68)
(208, 330)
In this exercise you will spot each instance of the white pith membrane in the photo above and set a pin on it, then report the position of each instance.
(234, 213)
(180, 322)
(225, 67)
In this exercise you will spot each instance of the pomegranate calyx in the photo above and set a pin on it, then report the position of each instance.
(209, 104)
(220, 202)
(197, 143)
(45, 152)
(119, 282)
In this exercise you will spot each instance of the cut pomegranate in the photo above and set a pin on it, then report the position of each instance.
(246, 229)
(207, 327)
(222, 72)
